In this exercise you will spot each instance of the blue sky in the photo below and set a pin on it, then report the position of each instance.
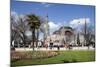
(56, 12)
(59, 14)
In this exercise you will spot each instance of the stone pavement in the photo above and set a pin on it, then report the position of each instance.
(54, 49)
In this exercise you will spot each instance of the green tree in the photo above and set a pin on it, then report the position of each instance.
(34, 23)
(78, 39)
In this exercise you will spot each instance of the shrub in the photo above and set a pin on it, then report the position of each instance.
(32, 55)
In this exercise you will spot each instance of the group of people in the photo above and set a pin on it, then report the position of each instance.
(50, 44)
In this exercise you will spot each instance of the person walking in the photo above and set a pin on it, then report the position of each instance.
(58, 45)
(51, 44)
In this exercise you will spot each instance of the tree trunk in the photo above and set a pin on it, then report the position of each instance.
(24, 42)
(37, 37)
(33, 37)
(23, 38)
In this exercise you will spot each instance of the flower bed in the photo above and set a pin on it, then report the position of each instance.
(32, 55)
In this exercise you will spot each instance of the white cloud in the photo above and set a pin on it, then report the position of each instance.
(54, 26)
(79, 22)
(15, 16)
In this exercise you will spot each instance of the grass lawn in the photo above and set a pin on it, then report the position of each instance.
(62, 57)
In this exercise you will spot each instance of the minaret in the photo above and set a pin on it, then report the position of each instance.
(62, 31)
(85, 32)
(78, 35)
(46, 28)
(48, 33)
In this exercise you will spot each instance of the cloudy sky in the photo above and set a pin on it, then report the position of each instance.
(59, 14)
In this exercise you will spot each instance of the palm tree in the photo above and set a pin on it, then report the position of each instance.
(34, 23)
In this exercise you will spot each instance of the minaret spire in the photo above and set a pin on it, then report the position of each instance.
(85, 32)
(47, 23)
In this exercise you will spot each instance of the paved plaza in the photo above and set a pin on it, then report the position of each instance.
(54, 49)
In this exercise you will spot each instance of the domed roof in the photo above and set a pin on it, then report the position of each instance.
(66, 27)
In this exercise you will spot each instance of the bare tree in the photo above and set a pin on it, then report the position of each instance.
(20, 26)
(89, 35)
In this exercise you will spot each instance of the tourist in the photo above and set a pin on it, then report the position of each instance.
(51, 44)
